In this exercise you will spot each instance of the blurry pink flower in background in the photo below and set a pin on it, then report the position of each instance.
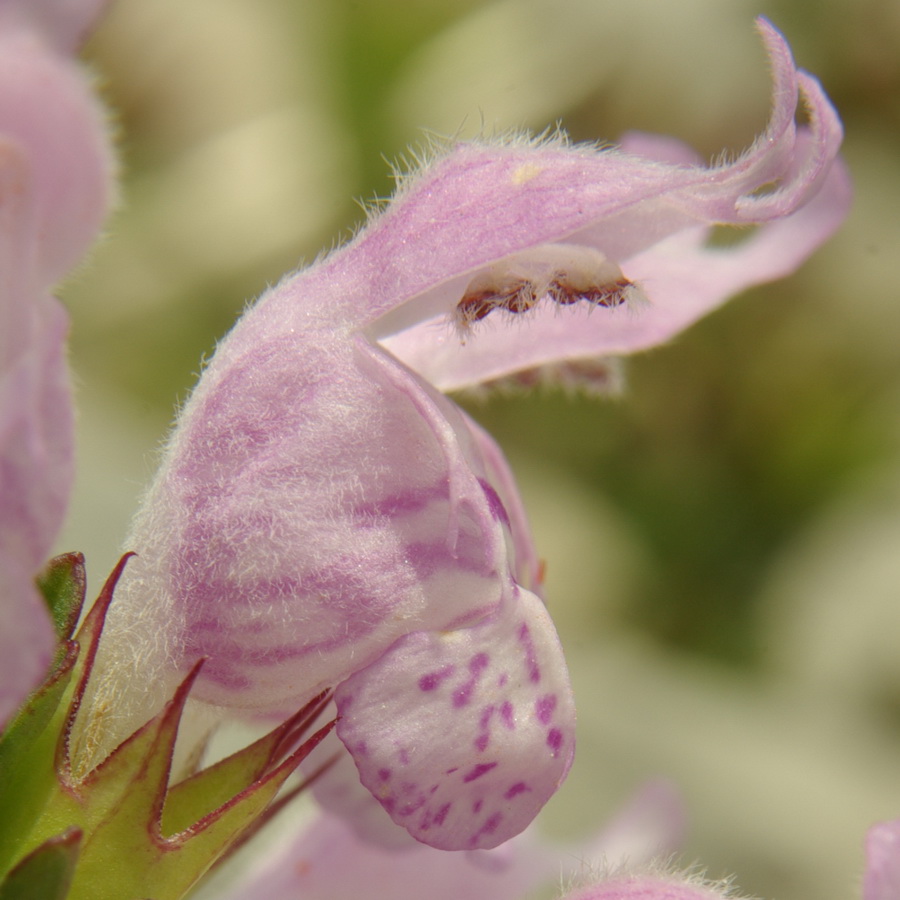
(326, 860)
(627, 860)
(882, 878)
(55, 189)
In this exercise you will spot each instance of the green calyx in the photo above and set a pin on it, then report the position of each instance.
(120, 831)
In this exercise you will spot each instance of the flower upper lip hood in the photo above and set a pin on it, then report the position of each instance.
(647, 205)
(55, 189)
(325, 516)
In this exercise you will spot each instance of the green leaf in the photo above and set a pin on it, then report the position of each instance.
(46, 873)
(63, 584)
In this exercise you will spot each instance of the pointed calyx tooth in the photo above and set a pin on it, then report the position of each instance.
(563, 273)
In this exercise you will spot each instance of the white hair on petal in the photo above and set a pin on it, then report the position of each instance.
(594, 872)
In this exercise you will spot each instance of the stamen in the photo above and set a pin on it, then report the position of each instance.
(564, 273)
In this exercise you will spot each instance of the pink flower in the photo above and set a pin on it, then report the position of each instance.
(55, 189)
(325, 516)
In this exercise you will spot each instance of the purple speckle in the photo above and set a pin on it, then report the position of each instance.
(462, 696)
(433, 680)
(531, 663)
(361, 749)
(476, 807)
(441, 814)
(411, 807)
(508, 714)
(403, 756)
(489, 827)
(554, 740)
(501, 681)
(478, 771)
(544, 707)
(433, 788)
(484, 724)
(384, 774)
(451, 771)
(478, 663)
(514, 790)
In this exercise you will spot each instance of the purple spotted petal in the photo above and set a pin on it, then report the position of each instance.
(651, 824)
(882, 878)
(463, 736)
(340, 791)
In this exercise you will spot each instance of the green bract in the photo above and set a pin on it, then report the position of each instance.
(119, 830)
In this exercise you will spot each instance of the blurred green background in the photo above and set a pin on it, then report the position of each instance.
(723, 541)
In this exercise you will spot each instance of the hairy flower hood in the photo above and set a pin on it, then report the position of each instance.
(55, 188)
(325, 516)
